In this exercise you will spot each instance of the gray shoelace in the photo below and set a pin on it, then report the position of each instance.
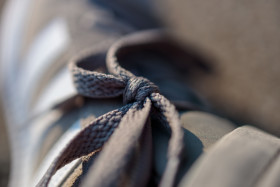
(124, 126)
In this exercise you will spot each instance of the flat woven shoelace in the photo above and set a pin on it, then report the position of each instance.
(124, 126)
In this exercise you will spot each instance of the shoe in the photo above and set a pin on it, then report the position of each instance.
(130, 118)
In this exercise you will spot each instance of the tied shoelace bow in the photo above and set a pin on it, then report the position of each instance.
(124, 126)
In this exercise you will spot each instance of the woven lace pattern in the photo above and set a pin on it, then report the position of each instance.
(117, 132)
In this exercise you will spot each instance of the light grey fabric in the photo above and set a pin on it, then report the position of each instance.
(245, 157)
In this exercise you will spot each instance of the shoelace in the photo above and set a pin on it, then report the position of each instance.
(124, 126)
